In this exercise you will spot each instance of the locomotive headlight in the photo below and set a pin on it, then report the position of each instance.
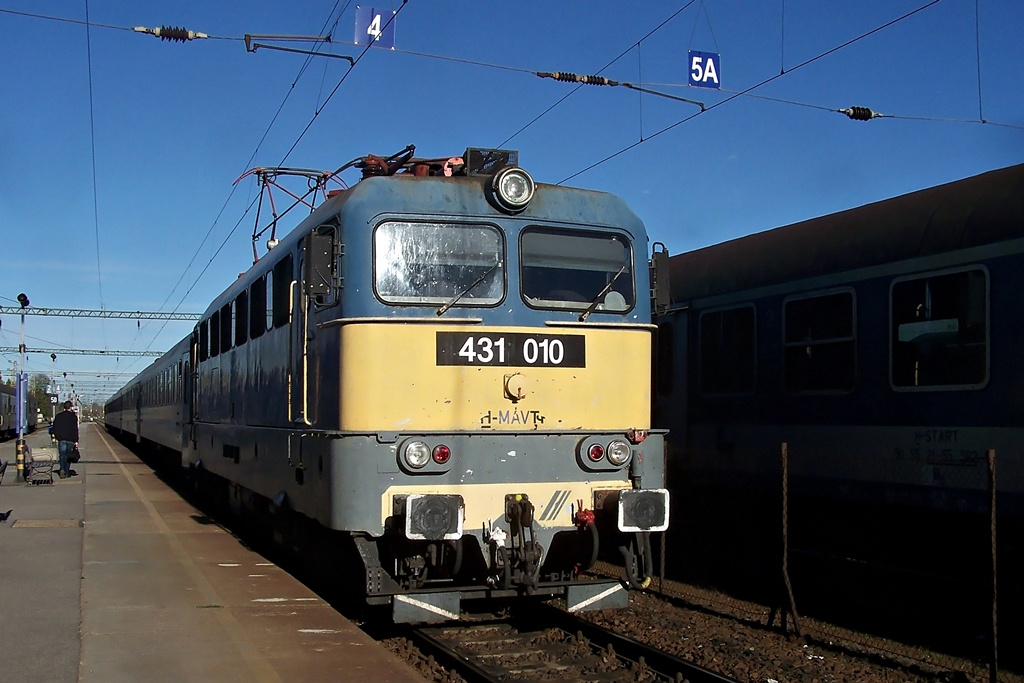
(619, 452)
(416, 454)
(512, 188)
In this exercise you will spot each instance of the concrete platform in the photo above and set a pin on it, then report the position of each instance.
(110, 576)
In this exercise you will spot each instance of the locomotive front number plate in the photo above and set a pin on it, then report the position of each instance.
(512, 349)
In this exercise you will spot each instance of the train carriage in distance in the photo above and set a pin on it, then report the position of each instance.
(8, 412)
(881, 344)
(447, 366)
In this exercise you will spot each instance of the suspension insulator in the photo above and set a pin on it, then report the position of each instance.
(567, 77)
(171, 33)
(860, 113)
(174, 34)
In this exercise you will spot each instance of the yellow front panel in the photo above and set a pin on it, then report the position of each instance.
(390, 381)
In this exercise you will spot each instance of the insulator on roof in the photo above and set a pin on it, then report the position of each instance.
(171, 33)
(861, 113)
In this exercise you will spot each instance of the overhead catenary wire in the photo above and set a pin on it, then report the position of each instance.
(234, 187)
(334, 27)
(743, 93)
(977, 51)
(602, 80)
(640, 100)
(621, 55)
(253, 202)
(782, 39)
(795, 103)
(241, 218)
(330, 95)
(203, 272)
(92, 147)
(166, 33)
(504, 67)
(751, 88)
(172, 34)
(87, 22)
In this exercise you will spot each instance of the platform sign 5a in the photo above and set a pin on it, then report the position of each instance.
(705, 69)
(375, 26)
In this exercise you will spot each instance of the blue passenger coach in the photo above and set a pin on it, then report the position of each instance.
(882, 344)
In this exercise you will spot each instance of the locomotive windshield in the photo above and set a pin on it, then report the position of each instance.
(571, 270)
(436, 263)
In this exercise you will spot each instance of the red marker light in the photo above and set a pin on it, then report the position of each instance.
(441, 454)
(595, 452)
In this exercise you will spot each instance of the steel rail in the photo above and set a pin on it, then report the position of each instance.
(632, 650)
(664, 666)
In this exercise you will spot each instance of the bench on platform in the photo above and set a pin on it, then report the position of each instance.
(39, 465)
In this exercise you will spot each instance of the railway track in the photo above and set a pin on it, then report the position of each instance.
(549, 644)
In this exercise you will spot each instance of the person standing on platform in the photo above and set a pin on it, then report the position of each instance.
(65, 430)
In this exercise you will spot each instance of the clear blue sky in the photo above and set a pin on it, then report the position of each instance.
(108, 192)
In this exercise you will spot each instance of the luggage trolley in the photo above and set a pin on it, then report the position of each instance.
(40, 463)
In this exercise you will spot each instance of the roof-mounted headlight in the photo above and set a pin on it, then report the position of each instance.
(512, 189)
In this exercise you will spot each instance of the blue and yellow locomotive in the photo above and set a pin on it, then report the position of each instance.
(449, 366)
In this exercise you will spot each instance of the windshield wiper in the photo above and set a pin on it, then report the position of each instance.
(467, 290)
(600, 295)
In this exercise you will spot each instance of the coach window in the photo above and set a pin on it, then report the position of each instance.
(819, 343)
(572, 270)
(939, 331)
(282, 284)
(438, 264)
(204, 340)
(227, 325)
(728, 351)
(215, 334)
(258, 308)
(241, 318)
